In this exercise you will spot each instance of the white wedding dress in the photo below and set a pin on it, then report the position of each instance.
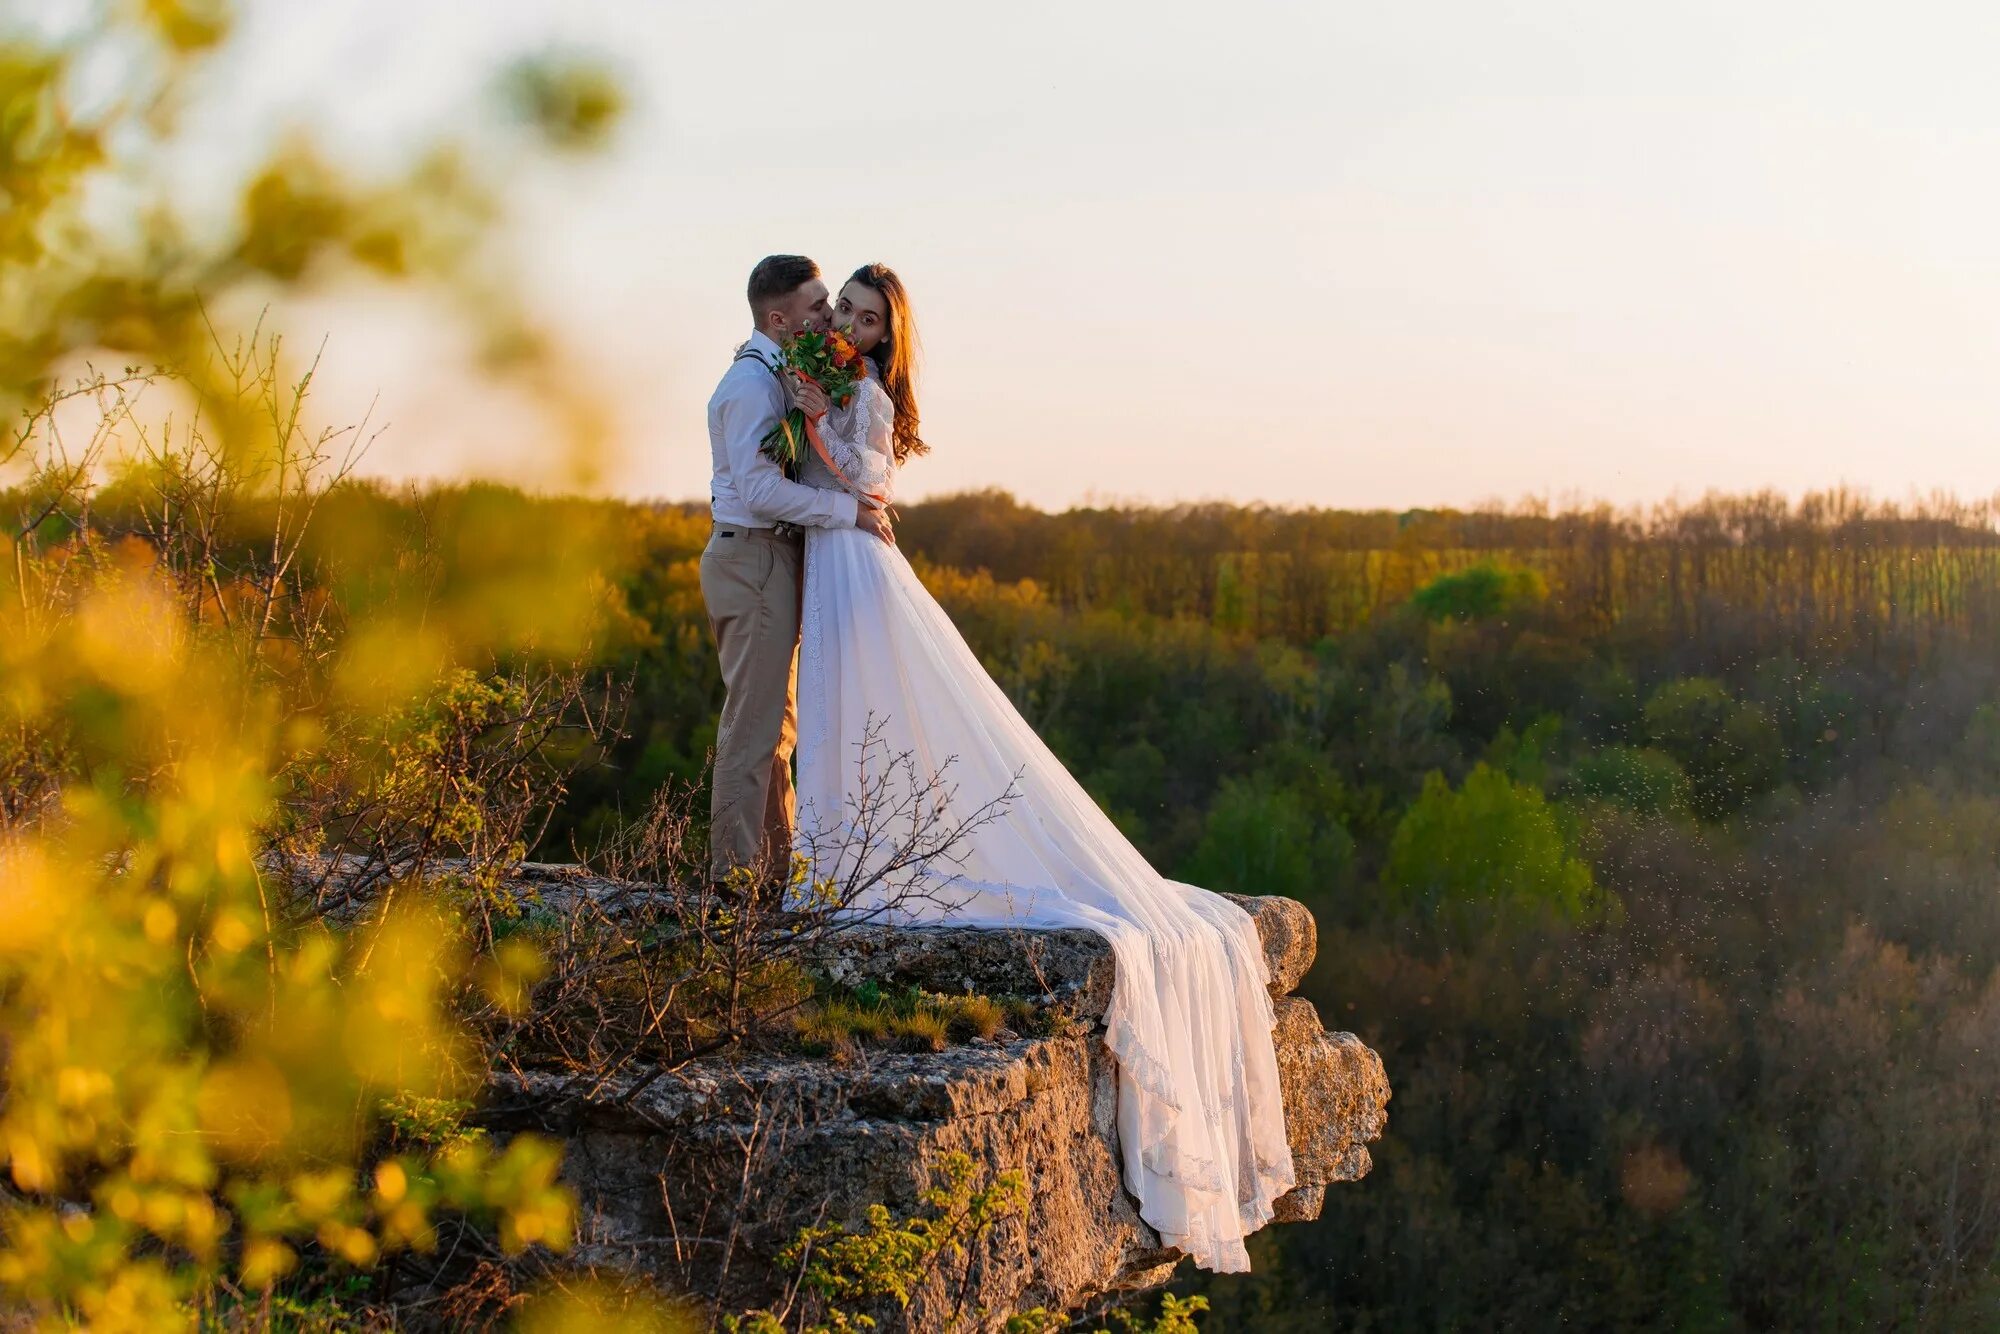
(1200, 1120)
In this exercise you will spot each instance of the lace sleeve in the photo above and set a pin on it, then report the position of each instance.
(860, 438)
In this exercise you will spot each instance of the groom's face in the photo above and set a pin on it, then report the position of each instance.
(806, 308)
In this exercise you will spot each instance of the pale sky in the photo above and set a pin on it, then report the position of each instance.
(1343, 254)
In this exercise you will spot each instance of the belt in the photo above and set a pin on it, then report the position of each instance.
(781, 530)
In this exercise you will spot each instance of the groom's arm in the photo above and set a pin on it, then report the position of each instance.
(747, 415)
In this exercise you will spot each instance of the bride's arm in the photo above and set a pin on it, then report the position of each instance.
(861, 440)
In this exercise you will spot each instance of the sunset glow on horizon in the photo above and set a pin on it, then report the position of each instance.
(1297, 253)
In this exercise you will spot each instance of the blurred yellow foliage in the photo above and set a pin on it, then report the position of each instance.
(217, 660)
(166, 1039)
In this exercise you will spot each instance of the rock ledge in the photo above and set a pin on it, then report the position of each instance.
(700, 1177)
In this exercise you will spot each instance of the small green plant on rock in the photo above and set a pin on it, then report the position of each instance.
(1176, 1317)
(839, 1270)
(429, 1122)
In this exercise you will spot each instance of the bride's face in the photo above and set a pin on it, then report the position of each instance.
(862, 311)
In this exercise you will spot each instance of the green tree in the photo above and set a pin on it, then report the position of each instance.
(1639, 778)
(1478, 593)
(1814, 719)
(1524, 757)
(1732, 751)
(1491, 848)
(1260, 838)
(1978, 750)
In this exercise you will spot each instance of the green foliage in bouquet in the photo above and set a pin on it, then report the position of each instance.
(831, 361)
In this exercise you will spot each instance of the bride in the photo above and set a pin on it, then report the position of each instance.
(1201, 1125)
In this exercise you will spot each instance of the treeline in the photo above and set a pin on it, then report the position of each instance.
(1831, 570)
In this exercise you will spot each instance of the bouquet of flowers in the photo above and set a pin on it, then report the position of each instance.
(831, 361)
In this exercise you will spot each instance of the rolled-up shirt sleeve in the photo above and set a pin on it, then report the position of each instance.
(770, 496)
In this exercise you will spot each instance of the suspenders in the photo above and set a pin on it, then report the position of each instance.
(745, 354)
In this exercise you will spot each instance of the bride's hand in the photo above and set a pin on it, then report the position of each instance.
(871, 520)
(811, 398)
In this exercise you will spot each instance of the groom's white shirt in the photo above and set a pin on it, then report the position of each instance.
(748, 489)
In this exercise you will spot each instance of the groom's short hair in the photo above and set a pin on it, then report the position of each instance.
(778, 276)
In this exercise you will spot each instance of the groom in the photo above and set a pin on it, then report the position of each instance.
(751, 575)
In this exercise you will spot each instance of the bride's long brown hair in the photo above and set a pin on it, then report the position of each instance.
(896, 354)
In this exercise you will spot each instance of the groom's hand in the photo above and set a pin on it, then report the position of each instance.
(811, 398)
(871, 520)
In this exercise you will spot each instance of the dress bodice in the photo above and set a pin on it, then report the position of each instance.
(860, 439)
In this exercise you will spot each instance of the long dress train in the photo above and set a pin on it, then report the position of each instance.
(1200, 1120)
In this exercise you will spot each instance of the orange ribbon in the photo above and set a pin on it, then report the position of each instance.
(819, 448)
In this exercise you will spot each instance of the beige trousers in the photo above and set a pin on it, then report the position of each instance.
(750, 582)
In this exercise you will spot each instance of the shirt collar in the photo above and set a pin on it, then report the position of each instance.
(762, 344)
